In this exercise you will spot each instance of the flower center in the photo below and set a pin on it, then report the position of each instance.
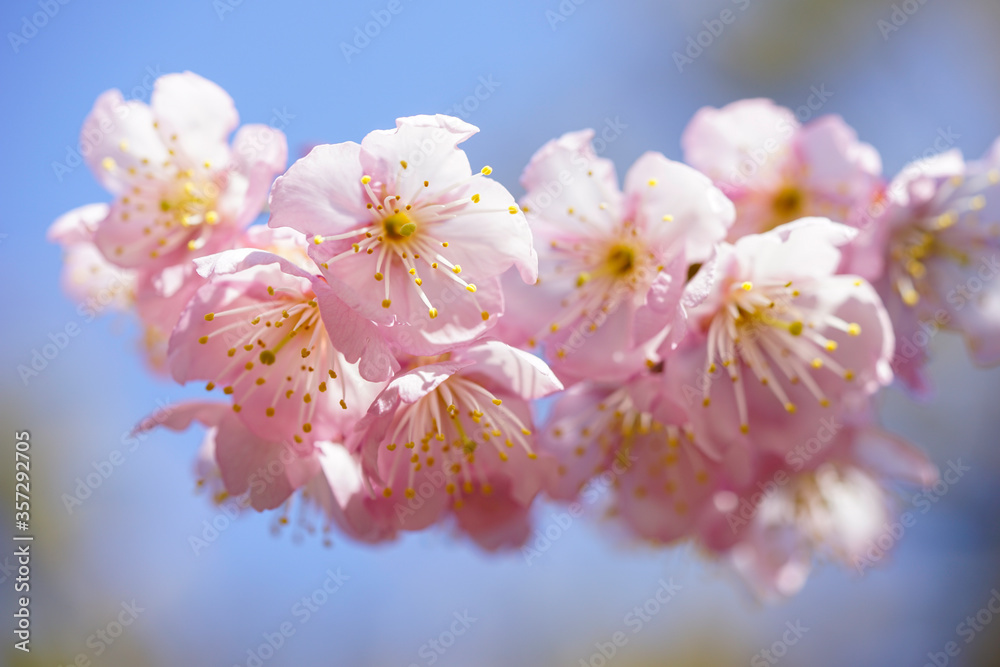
(391, 236)
(763, 329)
(621, 260)
(787, 205)
(256, 362)
(453, 425)
(398, 226)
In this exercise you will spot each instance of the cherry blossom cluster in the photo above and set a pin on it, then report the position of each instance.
(695, 350)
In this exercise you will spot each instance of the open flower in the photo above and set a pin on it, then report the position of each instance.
(406, 233)
(87, 276)
(781, 340)
(613, 263)
(260, 330)
(180, 190)
(841, 508)
(942, 258)
(457, 427)
(634, 444)
(776, 170)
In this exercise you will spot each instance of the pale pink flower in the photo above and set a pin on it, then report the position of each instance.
(782, 340)
(942, 257)
(633, 444)
(406, 233)
(455, 428)
(181, 191)
(776, 170)
(842, 509)
(87, 277)
(260, 330)
(340, 495)
(259, 473)
(613, 262)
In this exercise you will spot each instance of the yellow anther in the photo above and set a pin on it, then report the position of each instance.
(853, 329)
(317, 239)
(486, 171)
(475, 198)
(209, 317)
(471, 288)
(365, 180)
(668, 218)
(433, 312)
(747, 286)
(652, 182)
(386, 303)
(790, 407)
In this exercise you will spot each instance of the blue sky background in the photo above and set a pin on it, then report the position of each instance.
(606, 62)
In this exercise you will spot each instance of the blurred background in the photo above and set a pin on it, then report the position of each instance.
(902, 74)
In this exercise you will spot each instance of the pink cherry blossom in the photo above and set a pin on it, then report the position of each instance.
(781, 341)
(87, 276)
(181, 191)
(841, 507)
(633, 444)
(259, 473)
(776, 170)
(406, 233)
(260, 330)
(444, 432)
(942, 255)
(613, 262)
